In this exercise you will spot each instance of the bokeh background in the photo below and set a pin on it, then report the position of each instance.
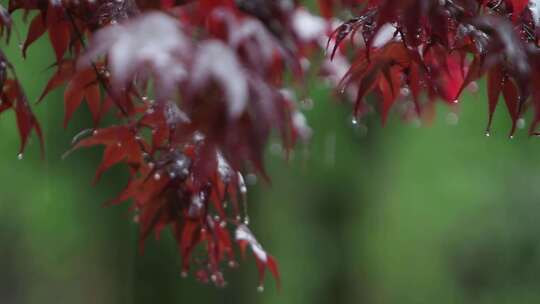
(408, 213)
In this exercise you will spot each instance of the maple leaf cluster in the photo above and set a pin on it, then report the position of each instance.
(432, 50)
(197, 88)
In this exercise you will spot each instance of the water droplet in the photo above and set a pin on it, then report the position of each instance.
(354, 121)
(520, 123)
(242, 183)
(20, 156)
(213, 277)
(276, 149)
(512, 136)
(251, 179)
(157, 176)
(184, 274)
(223, 224)
(488, 133)
(307, 104)
(119, 144)
(95, 132)
(151, 165)
(452, 118)
(246, 220)
(455, 101)
(404, 91)
(260, 288)
(232, 264)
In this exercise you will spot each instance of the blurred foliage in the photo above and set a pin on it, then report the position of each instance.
(361, 214)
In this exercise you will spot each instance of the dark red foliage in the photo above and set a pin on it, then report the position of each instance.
(13, 97)
(197, 89)
(5, 23)
(434, 49)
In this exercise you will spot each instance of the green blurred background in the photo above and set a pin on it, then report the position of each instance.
(362, 214)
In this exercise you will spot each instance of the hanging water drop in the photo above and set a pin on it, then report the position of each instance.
(157, 176)
(251, 179)
(20, 156)
(260, 288)
(307, 104)
(488, 133)
(242, 184)
(246, 220)
(354, 121)
(452, 118)
(520, 123)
